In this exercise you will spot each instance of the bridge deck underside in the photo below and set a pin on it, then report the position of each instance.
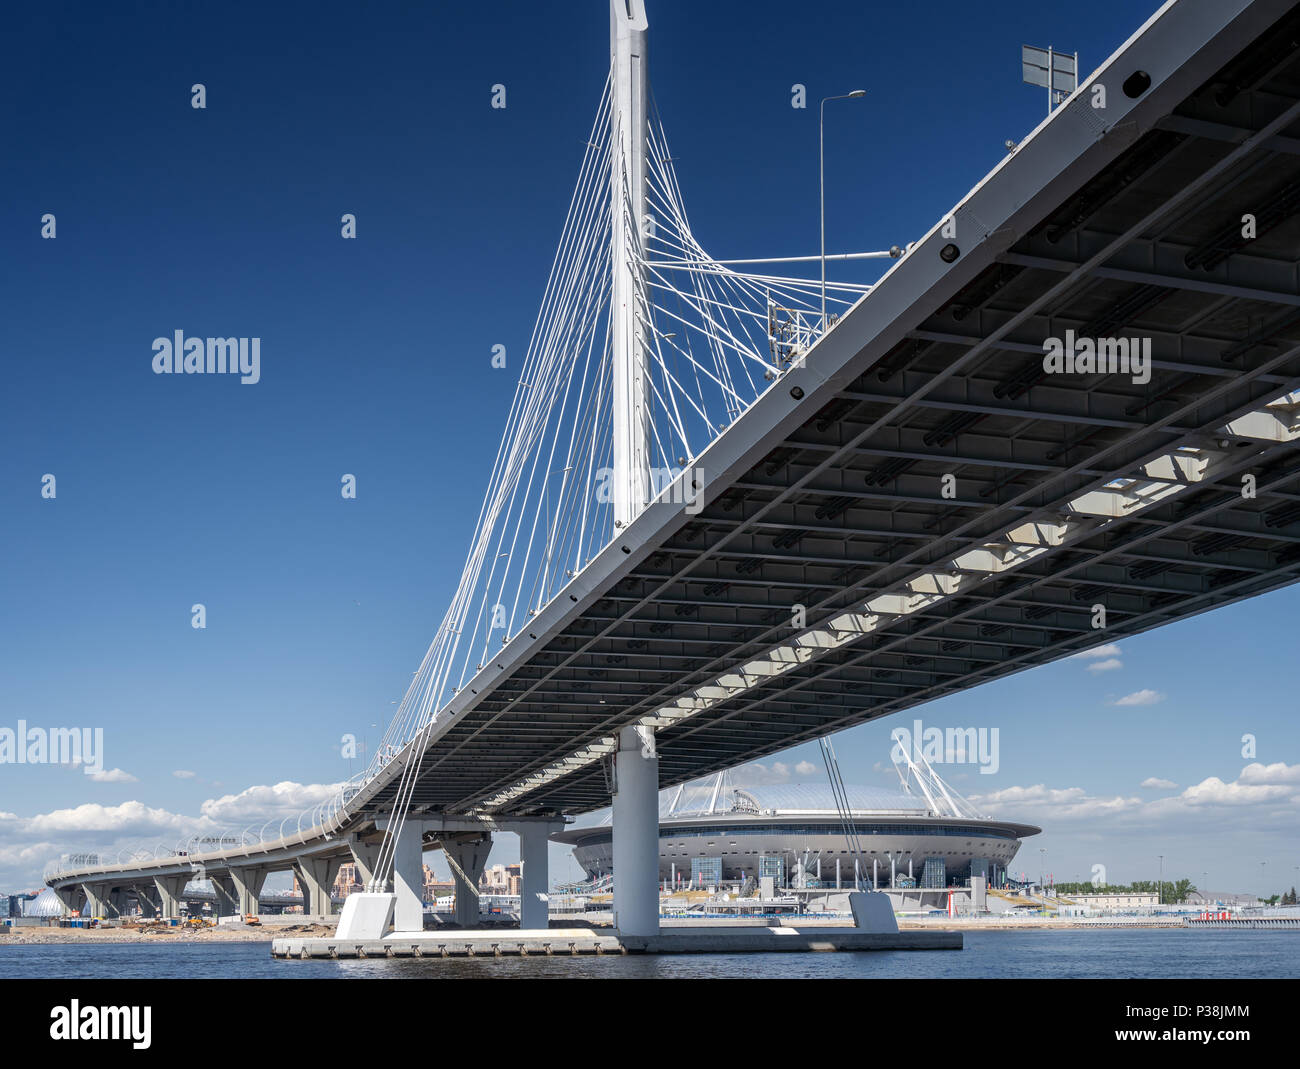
(850, 504)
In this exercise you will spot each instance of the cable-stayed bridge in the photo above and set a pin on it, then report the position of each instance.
(722, 522)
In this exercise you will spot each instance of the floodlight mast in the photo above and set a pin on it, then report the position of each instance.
(630, 481)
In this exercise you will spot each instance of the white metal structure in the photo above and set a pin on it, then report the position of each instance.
(629, 220)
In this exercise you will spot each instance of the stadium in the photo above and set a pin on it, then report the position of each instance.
(922, 835)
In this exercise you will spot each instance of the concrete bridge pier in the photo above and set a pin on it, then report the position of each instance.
(97, 898)
(366, 856)
(227, 897)
(170, 889)
(408, 878)
(534, 910)
(144, 898)
(636, 833)
(316, 876)
(248, 881)
(471, 854)
(71, 898)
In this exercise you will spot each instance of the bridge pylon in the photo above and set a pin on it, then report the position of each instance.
(628, 219)
(636, 833)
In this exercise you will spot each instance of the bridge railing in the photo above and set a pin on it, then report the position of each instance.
(212, 843)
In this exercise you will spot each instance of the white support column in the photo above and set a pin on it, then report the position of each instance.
(534, 909)
(631, 393)
(636, 834)
(408, 878)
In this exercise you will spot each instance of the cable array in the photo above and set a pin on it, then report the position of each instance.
(710, 340)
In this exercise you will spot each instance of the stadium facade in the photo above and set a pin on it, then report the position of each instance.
(714, 832)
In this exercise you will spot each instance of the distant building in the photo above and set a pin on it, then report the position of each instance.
(1117, 900)
(1221, 898)
(493, 881)
(501, 879)
(348, 881)
(434, 888)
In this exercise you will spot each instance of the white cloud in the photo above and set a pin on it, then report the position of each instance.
(1040, 802)
(1263, 786)
(114, 775)
(1276, 773)
(1140, 697)
(183, 773)
(1108, 650)
(1108, 665)
(806, 768)
(265, 803)
(1214, 791)
(758, 774)
(129, 818)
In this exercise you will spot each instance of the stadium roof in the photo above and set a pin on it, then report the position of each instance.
(785, 798)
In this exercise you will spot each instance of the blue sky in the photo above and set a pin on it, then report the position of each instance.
(175, 490)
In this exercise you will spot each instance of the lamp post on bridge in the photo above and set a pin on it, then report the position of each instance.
(856, 94)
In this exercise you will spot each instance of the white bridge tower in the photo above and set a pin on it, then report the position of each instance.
(628, 140)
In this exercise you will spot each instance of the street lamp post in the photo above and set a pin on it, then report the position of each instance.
(821, 157)
(1160, 884)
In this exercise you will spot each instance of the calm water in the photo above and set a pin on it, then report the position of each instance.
(1174, 953)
